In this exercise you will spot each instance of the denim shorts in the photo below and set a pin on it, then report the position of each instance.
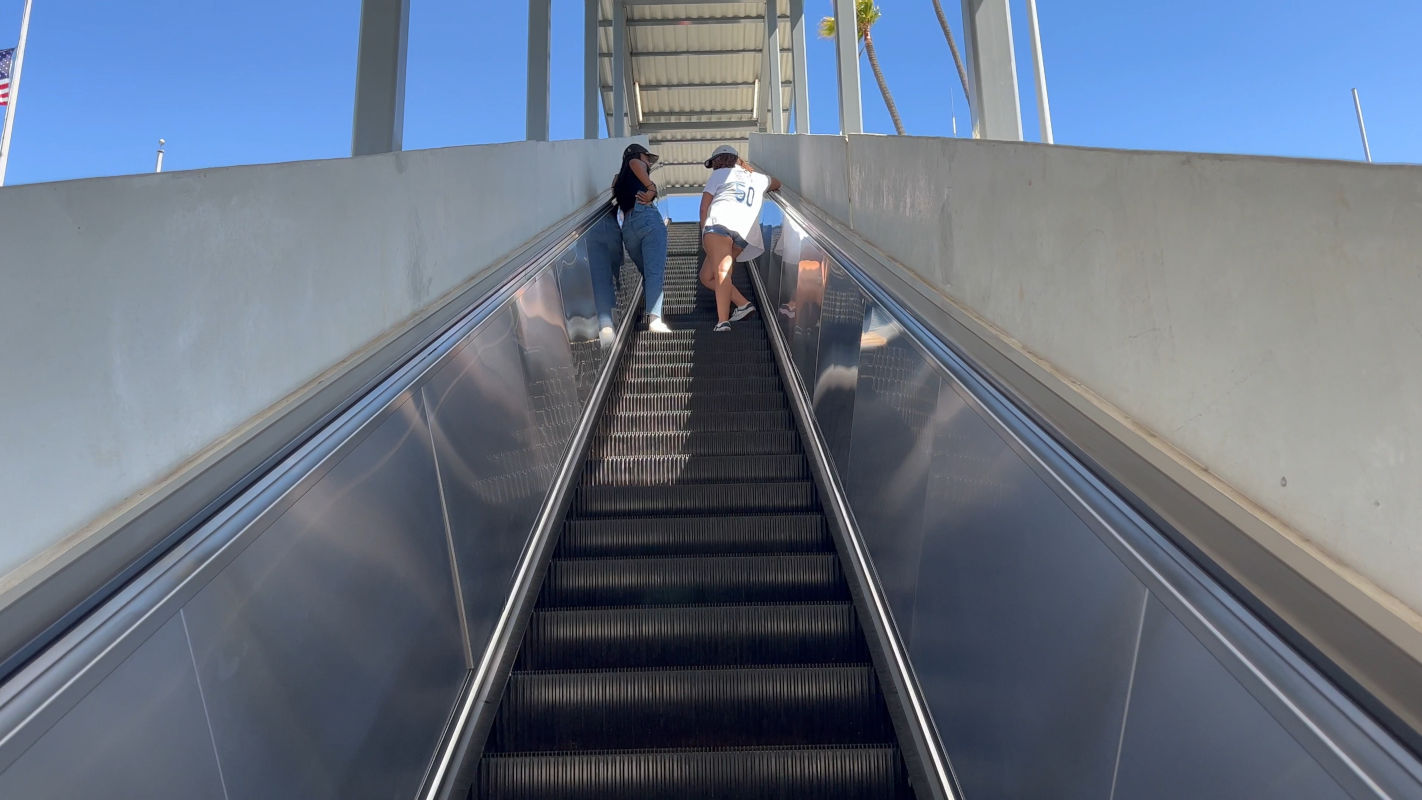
(722, 230)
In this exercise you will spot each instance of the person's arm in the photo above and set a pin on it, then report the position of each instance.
(639, 168)
(774, 184)
(705, 209)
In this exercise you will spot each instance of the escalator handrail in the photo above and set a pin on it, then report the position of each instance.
(53, 677)
(1295, 686)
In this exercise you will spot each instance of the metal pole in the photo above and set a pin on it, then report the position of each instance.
(846, 41)
(619, 70)
(539, 33)
(772, 53)
(19, 62)
(992, 70)
(379, 124)
(591, 80)
(1362, 128)
(1044, 106)
(158, 167)
(799, 63)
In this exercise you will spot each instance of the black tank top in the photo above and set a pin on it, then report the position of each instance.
(626, 187)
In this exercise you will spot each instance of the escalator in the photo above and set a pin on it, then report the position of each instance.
(694, 636)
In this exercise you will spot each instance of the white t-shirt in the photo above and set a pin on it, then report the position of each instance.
(736, 197)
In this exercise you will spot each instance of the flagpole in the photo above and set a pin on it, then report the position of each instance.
(14, 92)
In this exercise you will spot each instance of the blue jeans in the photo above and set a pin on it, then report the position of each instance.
(604, 242)
(645, 237)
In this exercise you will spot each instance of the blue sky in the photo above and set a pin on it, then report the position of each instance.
(264, 81)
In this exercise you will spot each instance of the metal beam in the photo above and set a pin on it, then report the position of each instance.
(673, 127)
(539, 34)
(592, 93)
(1044, 105)
(618, 127)
(800, 66)
(776, 107)
(678, 23)
(378, 125)
(674, 86)
(846, 40)
(992, 70)
(680, 53)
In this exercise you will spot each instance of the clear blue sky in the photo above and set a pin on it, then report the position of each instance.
(263, 81)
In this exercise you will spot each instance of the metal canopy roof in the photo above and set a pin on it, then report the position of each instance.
(694, 72)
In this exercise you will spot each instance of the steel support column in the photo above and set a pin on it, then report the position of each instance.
(619, 126)
(590, 76)
(846, 41)
(539, 33)
(992, 70)
(379, 121)
(798, 61)
(772, 59)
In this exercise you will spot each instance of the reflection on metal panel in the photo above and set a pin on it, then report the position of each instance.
(1024, 623)
(580, 314)
(142, 733)
(330, 650)
(837, 376)
(802, 311)
(1193, 731)
(483, 429)
(548, 363)
(889, 455)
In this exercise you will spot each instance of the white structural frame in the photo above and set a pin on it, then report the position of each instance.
(379, 123)
(772, 58)
(800, 66)
(992, 70)
(1039, 66)
(540, 33)
(846, 41)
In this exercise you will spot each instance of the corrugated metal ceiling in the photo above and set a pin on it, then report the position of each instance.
(695, 68)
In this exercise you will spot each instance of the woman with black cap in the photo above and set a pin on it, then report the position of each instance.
(644, 234)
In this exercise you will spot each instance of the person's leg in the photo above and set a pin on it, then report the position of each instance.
(716, 271)
(736, 296)
(654, 263)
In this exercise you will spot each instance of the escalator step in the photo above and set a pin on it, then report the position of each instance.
(683, 469)
(770, 533)
(715, 707)
(699, 336)
(689, 580)
(759, 369)
(704, 443)
(695, 401)
(656, 344)
(733, 384)
(694, 499)
(667, 421)
(600, 638)
(825, 773)
(705, 355)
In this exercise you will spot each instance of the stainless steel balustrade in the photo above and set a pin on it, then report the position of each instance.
(316, 638)
(1063, 646)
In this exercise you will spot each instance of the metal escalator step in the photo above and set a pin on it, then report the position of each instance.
(823, 773)
(684, 469)
(659, 344)
(694, 499)
(686, 580)
(623, 401)
(716, 707)
(697, 385)
(702, 443)
(602, 638)
(740, 335)
(763, 369)
(703, 356)
(664, 421)
(644, 536)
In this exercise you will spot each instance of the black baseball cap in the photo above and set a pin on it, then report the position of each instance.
(633, 150)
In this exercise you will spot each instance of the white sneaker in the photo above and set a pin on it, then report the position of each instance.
(657, 326)
(722, 327)
(606, 336)
(742, 312)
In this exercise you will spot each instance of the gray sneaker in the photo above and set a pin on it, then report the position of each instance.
(742, 312)
(721, 327)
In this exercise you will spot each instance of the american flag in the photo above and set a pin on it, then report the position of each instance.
(7, 57)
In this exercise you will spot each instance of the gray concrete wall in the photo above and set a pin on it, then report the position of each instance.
(1262, 317)
(146, 320)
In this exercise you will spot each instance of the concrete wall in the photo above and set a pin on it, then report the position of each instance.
(1263, 317)
(145, 320)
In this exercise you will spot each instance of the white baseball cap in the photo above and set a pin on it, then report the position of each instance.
(723, 150)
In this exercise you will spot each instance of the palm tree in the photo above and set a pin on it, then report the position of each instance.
(953, 46)
(865, 15)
